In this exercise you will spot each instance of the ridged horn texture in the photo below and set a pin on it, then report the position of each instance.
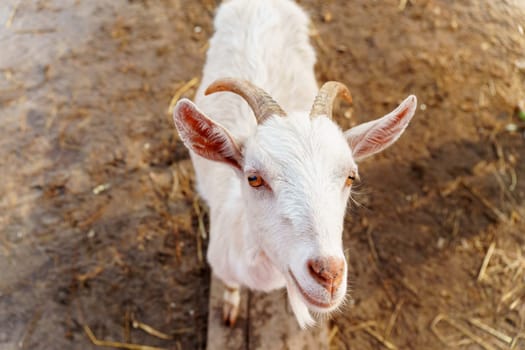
(324, 101)
(260, 101)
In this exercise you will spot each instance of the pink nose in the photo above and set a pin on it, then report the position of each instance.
(328, 272)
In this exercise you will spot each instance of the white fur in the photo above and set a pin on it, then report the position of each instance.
(258, 236)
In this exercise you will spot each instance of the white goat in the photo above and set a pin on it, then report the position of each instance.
(277, 183)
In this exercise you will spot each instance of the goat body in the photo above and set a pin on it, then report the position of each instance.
(277, 189)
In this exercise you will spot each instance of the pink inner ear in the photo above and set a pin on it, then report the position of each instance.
(384, 134)
(397, 118)
(374, 136)
(206, 138)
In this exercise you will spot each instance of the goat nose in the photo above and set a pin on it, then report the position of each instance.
(328, 272)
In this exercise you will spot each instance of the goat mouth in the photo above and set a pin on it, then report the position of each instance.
(308, 297)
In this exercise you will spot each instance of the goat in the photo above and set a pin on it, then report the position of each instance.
(277, 183)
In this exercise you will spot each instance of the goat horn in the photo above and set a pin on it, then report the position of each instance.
(260, 101)
(324, 100)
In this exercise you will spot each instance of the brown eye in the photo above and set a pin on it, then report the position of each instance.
(255, 180)
(349, 180)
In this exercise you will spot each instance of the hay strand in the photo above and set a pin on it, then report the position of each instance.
(393, 319)
(494, 332)
(443, 318)
(150, 330)
(486, 261)
(380, 339)
(12, 15)
(188, 85)
(118, 345)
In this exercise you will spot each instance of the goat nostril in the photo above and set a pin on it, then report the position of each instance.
(311, 269)
(328, 272)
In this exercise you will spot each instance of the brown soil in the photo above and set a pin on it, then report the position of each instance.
(100, 224)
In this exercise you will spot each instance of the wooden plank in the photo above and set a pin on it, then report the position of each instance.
(220, 336)
(265, 322)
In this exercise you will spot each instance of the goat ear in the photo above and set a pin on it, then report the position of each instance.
(205, 137)
(374, 136)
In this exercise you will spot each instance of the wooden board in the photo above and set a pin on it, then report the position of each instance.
(265, 321)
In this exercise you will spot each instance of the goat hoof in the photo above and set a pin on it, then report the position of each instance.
(230, 313)
(230, 308)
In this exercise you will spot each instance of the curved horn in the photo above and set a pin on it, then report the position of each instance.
(260, 101)
(324, 100)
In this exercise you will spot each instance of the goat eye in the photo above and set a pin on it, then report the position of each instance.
(255, 180)
(349, 180)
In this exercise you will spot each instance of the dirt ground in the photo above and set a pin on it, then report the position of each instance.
(101, 230)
